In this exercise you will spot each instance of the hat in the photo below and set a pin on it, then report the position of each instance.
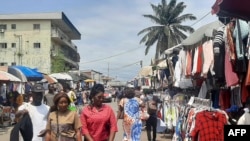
(233, 108)
(37, 88)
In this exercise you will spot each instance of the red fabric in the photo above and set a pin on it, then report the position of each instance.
(224, 99)
(209, 126)
(200, 60)
(98, 123)
(159, 114)
(245, 92)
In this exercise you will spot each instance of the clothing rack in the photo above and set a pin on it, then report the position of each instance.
(196, 101)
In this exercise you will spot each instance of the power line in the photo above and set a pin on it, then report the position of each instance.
(200, 19)
(101, 59)
(122, 67)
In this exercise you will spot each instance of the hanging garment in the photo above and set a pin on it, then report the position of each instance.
(240, 32)
(208, 57)
(219, 53)
(200, 60)
(231, 77)
(189, 63)
(224, 99)
(247, 81)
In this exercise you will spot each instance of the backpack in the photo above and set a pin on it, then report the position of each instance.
(152, 107)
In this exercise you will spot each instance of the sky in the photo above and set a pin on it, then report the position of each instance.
(109, 29)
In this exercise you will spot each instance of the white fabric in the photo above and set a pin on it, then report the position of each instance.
(38, 115)
(195, 61)
(244, 119)
(177, 74)
(203, 90)
(161, 126)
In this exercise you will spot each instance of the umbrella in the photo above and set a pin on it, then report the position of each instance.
(4, 76)
(49, 79)
(16, 72)
(204, 31)
(61, 76)
(89, 80)
(232, 8)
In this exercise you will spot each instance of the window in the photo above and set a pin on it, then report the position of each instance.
(13, 45)
(13, 26)
(13, 63)
(3, 45)
(36, 26)
(37, 45)
(3, 64)
(3, 26)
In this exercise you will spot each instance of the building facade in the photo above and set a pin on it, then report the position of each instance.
(35, 39)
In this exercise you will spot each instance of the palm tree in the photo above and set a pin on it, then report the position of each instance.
(168, 30)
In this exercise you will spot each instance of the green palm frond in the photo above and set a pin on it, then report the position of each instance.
(170, 31)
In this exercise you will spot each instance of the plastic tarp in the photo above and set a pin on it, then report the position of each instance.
(203, 32)
(31, 74)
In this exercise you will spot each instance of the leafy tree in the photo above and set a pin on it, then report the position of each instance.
(58, 63)
(168, 30)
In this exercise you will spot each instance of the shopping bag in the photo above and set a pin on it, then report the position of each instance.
(144, 115)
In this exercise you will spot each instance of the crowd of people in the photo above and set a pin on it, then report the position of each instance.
(54, 115)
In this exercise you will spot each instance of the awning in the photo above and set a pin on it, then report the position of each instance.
(5, 76)
(61, 76)
(146, 71)
(31, 74)
(232, 8)
(201, 33)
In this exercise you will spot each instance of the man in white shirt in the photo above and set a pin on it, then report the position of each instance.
(37, 111)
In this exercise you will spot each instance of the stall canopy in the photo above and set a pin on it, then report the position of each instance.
(146, 71)
(31, 74)
(5, 76)
(201, 33)
(232, 8)
(61, 76)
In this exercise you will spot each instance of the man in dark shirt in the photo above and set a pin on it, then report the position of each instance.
(48, 97)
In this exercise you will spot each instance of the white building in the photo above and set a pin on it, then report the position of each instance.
(35, 39)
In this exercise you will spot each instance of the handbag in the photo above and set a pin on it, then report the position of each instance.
(144, 115)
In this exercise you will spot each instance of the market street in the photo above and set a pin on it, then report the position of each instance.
(5, 133)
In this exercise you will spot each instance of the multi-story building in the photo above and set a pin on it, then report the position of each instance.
(36, 39)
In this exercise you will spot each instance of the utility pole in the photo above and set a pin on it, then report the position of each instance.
(19, 54)
(108, 70)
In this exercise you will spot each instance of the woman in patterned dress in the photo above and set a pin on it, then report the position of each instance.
(132, 124)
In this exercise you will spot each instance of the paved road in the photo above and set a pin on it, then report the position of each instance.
(5, 133)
